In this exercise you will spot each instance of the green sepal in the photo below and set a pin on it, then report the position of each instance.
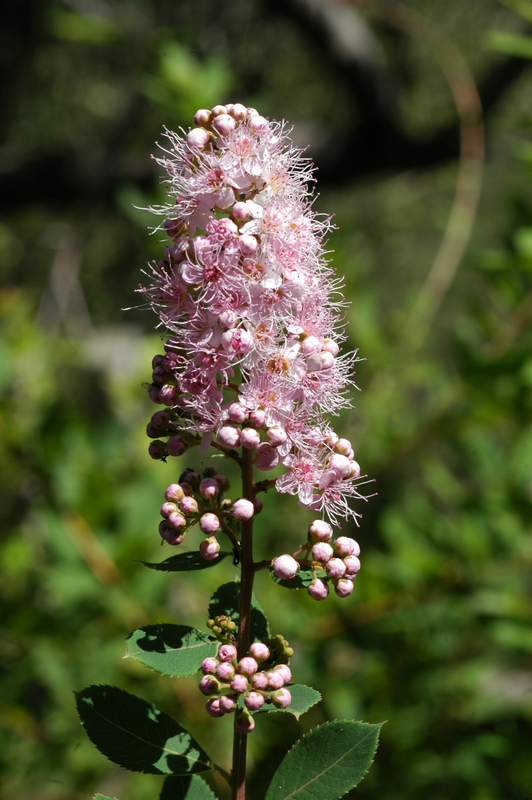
(137, 735)
(173, 650)
(326, 763)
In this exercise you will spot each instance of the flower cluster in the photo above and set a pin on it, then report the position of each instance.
(337, 563)
(244, 685)
(246, 296)
(200, 500)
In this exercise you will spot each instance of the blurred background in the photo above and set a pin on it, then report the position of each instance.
(419, 117)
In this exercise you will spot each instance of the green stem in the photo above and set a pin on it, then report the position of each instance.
(244, 619)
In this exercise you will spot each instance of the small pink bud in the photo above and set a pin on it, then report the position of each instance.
(345, 546)
(276, 435)
(249, 438)
(331, 347)
(168, 394)
(258, 417)
(228, 436)
(285, 567)
(225, 671)
(257, 123)
(247, 666)
(209, 548)
(227, 703)
(259, 680)
(321, 530)
(242, 509)
(237, 413)
(197, 138)
(167, 509)
(213, 707)
(335, 568)
(202, 116)
(228, 319)
(254, 701)
(174, 493)
(227, 652)
(176, 446)
(238, 111)
(322, 552)
(354, 469)
(239, 684)
(311, 345)
(244, 722)
(208, 665)
(343, 446)
(352, 565)
(189, 506)
(318, 589)
(248, 243)
(275, 680)
(281, 698)
(169, 534)
(267, 457)
(343, 587)
(259, 651)
(340, 465)
(224, 124)
(217, 110)
(209, 523)
(153, 393)
(209, 488)
(240, 211)
(176, 520)
(209, 685)
(284, 669)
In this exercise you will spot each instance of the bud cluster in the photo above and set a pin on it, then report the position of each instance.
(244, 289)
(197, 499)
(335, 563)
(245, 685)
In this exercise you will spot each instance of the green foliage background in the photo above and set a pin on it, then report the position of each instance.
(437, 638)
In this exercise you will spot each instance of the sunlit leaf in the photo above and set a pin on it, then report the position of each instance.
(174, 650)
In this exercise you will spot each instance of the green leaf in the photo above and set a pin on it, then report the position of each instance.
(512, 44)
(185, 562)
(326, 763)
(174, 650)
(301, 580)
(303, 698)
(186, 787)
(137, 735)
(225, 600)
(102, 797)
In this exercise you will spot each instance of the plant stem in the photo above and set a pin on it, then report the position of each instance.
(244, 619)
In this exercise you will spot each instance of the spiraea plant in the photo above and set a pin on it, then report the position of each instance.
(251, 315)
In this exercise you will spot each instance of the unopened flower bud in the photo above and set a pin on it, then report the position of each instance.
(168, 394)
(267, 457)
(209, 548)
(209, 523)
(247, 666)
(240, 212)
(189, 506)
(213, 707)
(228, 436)
(322, 552)
(254, 701)
(259, 651)
(259, 680)
(285, 671)
(309, 345)
(285, 567)
(202, 116)
(257, 417)
(242, 509)
(249, 438)
(225, 671)
(224, 124)
(209, 685)
(340, 465)
(335, 568)
(227, 652)
(208, 665)
(244, 722)
(239, 684)
(321, 530)
(219, 109)
(276, 435)
(343, 587)
(354, 469)
(174, 493)
(167, 509)
(176, 446)
(248, 243)
(238, 111)
(157, 449)
(352, 565)
(281, 698)
(331, 347)
(275, 680)
(169, 534)
(209, 488)
(318, 589)
(345, 546)
(227, 703)
(197, 138)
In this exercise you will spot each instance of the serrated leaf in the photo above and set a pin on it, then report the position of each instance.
(225, 600)
(137, 735)
(185, 562)
(186, 787)
(301, 580)
(102, 797)
(303, 698)
(326, 763)
(174, 650)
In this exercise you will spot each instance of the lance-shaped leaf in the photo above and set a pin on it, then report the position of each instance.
(174, 650)
(326, 763)
(186, 787)
(137, 735)
(303, 698)
(185, 562)
(225, 600)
